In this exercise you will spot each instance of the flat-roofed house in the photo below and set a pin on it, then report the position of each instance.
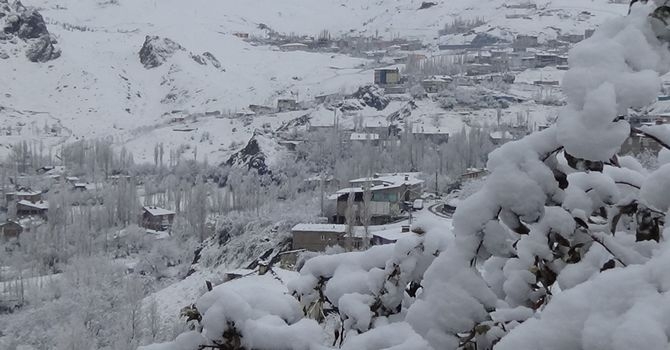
(364, 138)
(158, 219)
(27, 208)
(389, 236)
(436, 83)
(387, 76)
(287, 105)
(435, 135)
(294, 47)
(388, 192)
(318, 237)
(23, 195)
(473, 173)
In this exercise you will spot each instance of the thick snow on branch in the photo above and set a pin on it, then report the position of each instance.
(656, 190)
(620, 309)
(616, 69)
(255, 312)
(659, 132)
(560, 249)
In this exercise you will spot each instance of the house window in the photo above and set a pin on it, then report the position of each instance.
(384, 197)
(323, 237)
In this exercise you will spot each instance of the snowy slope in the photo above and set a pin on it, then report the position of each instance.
(99, 87)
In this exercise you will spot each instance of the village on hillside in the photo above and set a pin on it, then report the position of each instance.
(423, 175)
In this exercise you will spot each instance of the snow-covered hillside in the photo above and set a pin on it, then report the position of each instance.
(99, 86)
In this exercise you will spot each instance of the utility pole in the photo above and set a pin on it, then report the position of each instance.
(322, 190)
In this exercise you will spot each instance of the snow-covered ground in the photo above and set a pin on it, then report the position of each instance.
(99, 88)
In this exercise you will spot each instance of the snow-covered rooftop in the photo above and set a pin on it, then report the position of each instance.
(439, 78)
(24, 193)
(156, 211)
(356, 231)
(393, 234)
(320, 228)
(350, 190)
(429, 129)
(500, 135)
(357, 136)
(660, 108)
(294, 45)
(42, 205)
(390, 179)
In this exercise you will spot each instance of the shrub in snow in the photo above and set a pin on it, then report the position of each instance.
(561, 248)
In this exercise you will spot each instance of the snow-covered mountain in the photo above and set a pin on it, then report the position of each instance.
(121, 69)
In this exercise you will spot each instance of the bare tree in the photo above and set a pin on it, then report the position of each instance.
(366, 214)
(153, 319)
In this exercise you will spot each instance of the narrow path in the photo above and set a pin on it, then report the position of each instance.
(434, 210)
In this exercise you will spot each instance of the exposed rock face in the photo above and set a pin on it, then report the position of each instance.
(484, 39)
(156, 50)
(42, 50)
(212, 60)
(28, 25)
(427, 5)
(199, 60)
(294, 123)
(372, 96)
(250, 157)
(31, 25)
(260, 154)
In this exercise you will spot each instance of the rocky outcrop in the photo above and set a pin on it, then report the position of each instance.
(156, 50)
(27, 25)
(295, 123)
(42, 50)
(261, 154)
(372, 96)
(250, 157)
(427, 5)
(198, 59)
(212, 60)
